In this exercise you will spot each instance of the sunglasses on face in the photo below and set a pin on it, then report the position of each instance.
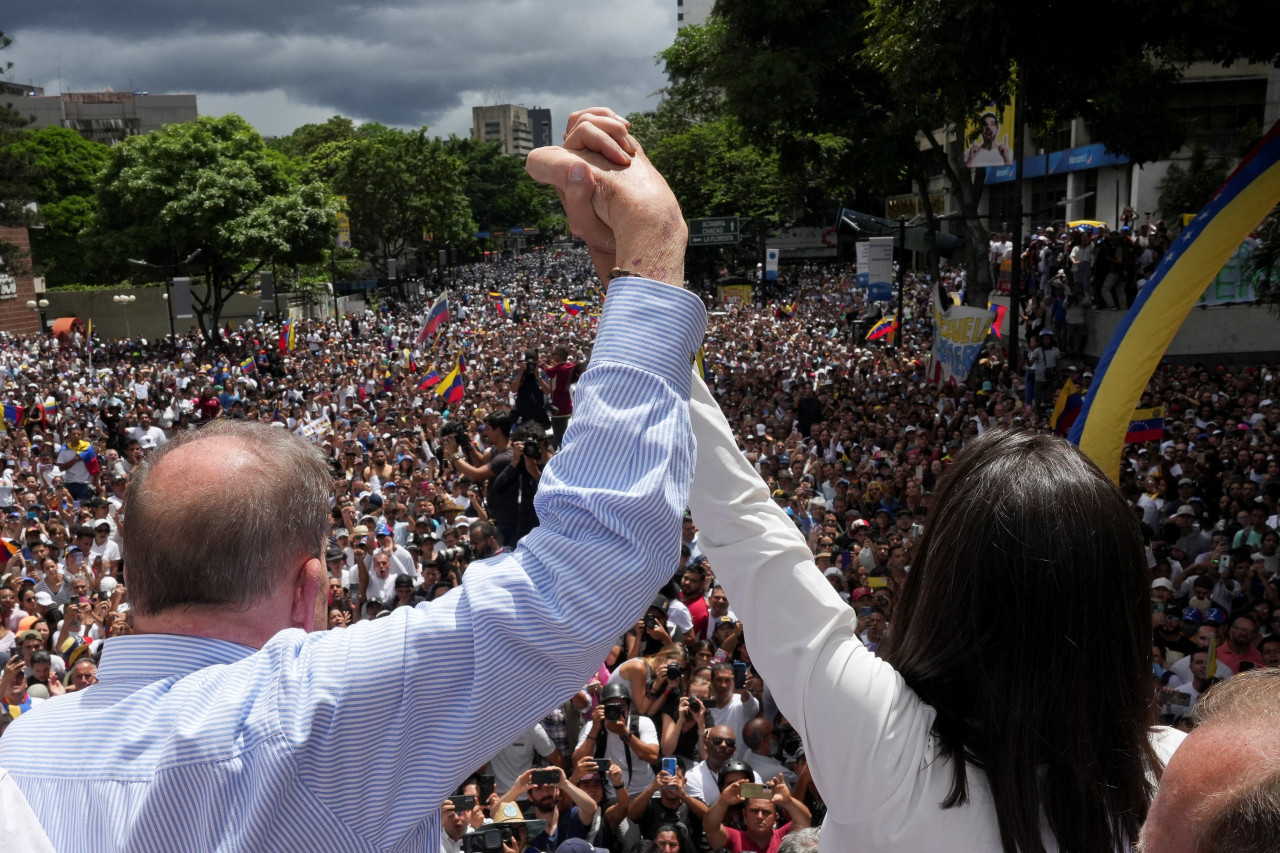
(723, 741)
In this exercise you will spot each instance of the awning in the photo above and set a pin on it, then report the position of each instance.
(65, 325)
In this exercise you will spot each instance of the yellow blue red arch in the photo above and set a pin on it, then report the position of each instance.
(1162, 306)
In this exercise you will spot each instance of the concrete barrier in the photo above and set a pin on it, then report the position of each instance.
(1229, 334)
(148, 316)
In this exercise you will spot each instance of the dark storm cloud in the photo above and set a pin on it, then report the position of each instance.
(398, 63)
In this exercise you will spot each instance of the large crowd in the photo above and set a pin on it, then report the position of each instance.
(437, 448)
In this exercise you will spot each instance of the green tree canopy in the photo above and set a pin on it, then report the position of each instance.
(209, 184)
(62, 167)
(397, 184)
(16, 190)
(500, 191)
(1186, 189)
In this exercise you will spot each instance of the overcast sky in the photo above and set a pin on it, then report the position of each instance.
(283, 63)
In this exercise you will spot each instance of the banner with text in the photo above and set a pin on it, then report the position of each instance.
(863, 250)
(1235, 282)
(880, 265)
(958, 336)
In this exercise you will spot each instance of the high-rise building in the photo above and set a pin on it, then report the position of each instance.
(504, 123)
(107, 117)
(693, 11)
(540, 121)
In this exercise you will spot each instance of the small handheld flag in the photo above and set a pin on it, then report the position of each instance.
(438, 314)
(1146, 425)
(887, 326)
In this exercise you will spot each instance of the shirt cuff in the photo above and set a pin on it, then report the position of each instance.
(639, 317)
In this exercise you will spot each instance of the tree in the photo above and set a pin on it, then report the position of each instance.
(304, 141)
(397, 185)
(62, 167)
(500, 192)
(16, 190)
(944, 59)
(1264, 263)
(1187, 190)
(209, 184)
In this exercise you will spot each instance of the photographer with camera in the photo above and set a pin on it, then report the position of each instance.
(655, 680)
(517, 484)
(627, 739)
(480, 468)
(531, 389)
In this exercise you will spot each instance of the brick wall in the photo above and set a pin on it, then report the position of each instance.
(15, 316)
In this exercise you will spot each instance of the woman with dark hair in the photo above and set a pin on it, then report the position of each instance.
(1011, 709)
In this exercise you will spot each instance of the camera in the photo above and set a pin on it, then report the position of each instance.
(613, 713)
(459, 553)
(486, 840)
(532, 448)
(459, 433)
(673, 671)
(695, 704)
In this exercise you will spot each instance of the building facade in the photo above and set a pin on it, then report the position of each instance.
(1070, 176)
(507, 124)
(107, 117)
(693, 12)
(543, 132)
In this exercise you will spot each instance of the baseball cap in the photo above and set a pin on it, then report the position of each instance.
(1215, 616)
(1162, 583)
(333, 554)
(1192, 614)
(462, 522)
(1186, 509)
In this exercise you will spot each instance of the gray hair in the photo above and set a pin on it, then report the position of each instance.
(800, 841)
(1246, 817)
(225, 542)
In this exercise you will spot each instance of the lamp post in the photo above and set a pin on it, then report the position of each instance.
(124, 300)
(38, 308)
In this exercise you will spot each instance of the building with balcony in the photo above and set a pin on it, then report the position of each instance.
(107, 117)
(506, 124)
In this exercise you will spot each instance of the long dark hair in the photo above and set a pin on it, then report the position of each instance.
(1025, 623)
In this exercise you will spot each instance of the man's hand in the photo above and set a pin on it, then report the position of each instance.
(618, 727)
(732, 794)
(586, 765)
(615, 775)
(615, 200)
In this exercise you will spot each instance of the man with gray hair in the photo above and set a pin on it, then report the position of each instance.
(239, 724)
(1220, 792)
(801, 840)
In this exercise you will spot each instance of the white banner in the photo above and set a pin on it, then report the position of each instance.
(863, 250)
(880, 267)
(958, 336)
(771, 264)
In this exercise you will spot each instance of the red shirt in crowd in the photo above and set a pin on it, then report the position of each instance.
(560, 377)
(740, 842)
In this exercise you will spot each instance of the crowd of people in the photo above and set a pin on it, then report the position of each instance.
(437, 447)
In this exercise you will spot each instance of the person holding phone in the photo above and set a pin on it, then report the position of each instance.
(543, 787)
(761, 807)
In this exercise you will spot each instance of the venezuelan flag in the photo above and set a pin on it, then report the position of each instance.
(1147, 425)
(13, 414)
(1066, 408)
(247, 365)
(699, 361)
(451, 387)
(884, 328)
(573, 308)
(286, 336)
(432, 378)
(438, 314)
(785, 312)
(462, 362)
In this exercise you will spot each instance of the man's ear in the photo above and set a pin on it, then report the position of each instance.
(308, 609)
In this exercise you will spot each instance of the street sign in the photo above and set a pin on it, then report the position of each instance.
(717, 231)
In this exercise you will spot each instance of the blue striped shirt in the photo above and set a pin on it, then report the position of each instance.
(350, 739)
